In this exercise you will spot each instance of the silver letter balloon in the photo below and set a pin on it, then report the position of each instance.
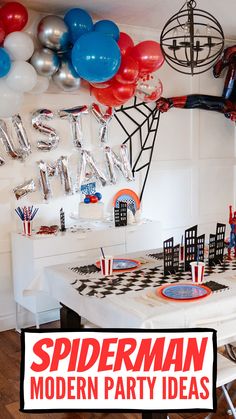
(24, 189)
(115, 162)
(103, 119)
(53, 33)
(73, 115)
(38, 118)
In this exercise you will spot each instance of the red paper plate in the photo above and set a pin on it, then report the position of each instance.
(183, 292)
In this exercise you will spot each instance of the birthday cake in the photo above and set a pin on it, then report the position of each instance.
(92, 207)
(92, 211)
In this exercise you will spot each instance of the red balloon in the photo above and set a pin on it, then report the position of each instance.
(125, 43)
(128, 71)
(106, 97)
(102, 85)
(149, 56)
(14, 17)
(123, 92)
(2, 33)
(93, 199)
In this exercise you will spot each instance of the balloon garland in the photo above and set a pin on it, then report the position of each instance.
(72, 48)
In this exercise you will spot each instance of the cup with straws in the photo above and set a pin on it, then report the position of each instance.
(197, 269)
(106, 264)
(26, 214)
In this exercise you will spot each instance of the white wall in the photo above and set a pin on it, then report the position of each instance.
(191, 179)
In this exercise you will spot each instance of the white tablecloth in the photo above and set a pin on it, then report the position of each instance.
(137, 310)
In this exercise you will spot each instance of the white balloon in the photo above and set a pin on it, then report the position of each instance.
(10, 102)
(19, 45)
(41, 86)
(22, 77)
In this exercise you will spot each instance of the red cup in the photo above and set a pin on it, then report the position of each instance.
(106, 265)
(198, 269)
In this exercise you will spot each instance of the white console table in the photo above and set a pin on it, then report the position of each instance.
(31, 254)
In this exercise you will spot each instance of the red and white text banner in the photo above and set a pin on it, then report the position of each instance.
(118, 370)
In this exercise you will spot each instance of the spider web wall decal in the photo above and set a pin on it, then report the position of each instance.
(143, 126)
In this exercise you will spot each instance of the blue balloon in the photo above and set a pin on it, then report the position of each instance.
(78, 22)
(98, 195)
(87, 200)
(5, 62)
(96, 57)
(108, 27)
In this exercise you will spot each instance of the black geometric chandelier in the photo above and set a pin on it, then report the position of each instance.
(192, 40)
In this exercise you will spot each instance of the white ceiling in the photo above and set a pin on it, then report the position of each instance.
(147, 13)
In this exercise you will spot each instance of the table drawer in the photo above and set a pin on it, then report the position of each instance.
(73, 242)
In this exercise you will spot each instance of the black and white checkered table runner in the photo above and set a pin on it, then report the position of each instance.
(140, 279)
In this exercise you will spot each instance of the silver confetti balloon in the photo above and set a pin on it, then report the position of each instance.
(73, 115)
(121, 163)
(103, 119)
(66, 77)
(87, 161)
(45, 62)
(53, 33)
(21, 134)
(38, 118)
(11, 150)
(44, 179)
(24, 189)
(63, 167)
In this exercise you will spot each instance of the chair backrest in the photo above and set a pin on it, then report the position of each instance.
(226, 370)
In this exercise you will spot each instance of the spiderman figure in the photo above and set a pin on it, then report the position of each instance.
(232, 238)
(225, 104)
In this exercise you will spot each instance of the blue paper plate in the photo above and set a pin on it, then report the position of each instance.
(184, 292)
(119, 264)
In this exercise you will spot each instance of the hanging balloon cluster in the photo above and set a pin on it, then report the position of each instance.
(17, 76)
(74, 48)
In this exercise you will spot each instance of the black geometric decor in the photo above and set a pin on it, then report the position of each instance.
(144, 120)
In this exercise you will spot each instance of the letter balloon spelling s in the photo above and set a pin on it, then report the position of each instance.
(37, 122)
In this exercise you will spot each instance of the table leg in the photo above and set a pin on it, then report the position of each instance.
(154, 415)
(69, 318)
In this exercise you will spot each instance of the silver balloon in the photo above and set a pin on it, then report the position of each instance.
(45, 62)
(73, 115)
(24, 189)
(53, 33)
(63, 166)
(16, 154)
(21, 134)
(38, 118)
(115, 162)
(87, 160)
(44, 179)
(66, 77)
(103, 119)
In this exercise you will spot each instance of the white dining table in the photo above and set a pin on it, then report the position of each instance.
(143, 308)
